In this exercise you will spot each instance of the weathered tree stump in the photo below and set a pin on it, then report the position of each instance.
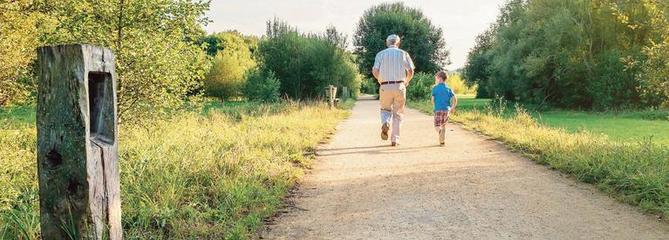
(77, 147)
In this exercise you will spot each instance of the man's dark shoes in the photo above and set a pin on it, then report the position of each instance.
(394, 144)
(384, 131)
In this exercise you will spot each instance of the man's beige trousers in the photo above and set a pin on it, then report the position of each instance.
(393, 99)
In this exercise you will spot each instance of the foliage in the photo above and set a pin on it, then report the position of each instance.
(597, 54)
(20, 25)
(306, 64)
(193, 176)
(420, 87)
(157, 63)
(232, 59)
(262, 86)
(369, 86)
(217, 42)
(635, 171)
(459, 85)
(419, 36)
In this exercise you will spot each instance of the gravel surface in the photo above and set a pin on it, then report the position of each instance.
(474, 188)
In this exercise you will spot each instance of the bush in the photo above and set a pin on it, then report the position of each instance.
(420, 87)
(369, 86)
(459, 86)
(306, 64)
(262, 86)
(232, 59)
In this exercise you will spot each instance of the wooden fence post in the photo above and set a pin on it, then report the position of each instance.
(77, 145)
(331, 95)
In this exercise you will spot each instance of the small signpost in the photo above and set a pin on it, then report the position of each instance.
(331, 95)
(77, 143)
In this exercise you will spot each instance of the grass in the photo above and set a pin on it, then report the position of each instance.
(634, 171)
(625, 126)
(215, 173)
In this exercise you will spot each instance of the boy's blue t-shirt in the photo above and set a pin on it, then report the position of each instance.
(442, 97)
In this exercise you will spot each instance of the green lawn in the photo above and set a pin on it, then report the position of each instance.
(618, 126)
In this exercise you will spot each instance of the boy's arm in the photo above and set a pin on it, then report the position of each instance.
(454, 103)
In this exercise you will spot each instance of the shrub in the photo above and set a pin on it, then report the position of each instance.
(306, 64)
(232, 59)
(369, 86)
(262, 86)
(420, 87)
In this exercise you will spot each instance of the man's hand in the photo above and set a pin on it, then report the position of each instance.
(452, 111)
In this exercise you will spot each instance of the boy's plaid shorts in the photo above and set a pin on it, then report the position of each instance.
(440, 118)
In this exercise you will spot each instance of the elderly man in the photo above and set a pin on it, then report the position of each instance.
(393, 69)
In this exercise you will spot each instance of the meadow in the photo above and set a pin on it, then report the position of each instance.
(212, 172)
(625, 126)
(623, 153)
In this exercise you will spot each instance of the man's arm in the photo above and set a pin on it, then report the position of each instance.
(409, 76)
(377, 74)
(408, 64)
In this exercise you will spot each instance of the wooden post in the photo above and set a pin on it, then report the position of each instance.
(345, 94)
(77, 146)
(330, 95)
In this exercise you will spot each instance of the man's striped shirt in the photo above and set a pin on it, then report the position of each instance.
(393, 64)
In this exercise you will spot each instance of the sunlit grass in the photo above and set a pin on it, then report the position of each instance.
(634, 171)
(213, 174)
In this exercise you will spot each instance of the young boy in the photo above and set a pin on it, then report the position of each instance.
(444, 101)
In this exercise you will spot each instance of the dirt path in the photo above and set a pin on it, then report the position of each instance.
(472, 189)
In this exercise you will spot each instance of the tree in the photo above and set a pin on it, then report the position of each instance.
(305, 64)
(157, 62)
(20, 25)
(597, 54)
(419, 37)
(233, 57)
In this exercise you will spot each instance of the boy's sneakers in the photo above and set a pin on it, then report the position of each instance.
(384, 131)
(442, 136)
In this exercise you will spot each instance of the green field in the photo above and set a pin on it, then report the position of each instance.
(213, 172)
(633, 126)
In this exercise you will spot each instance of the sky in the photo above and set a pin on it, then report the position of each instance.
(461, 20)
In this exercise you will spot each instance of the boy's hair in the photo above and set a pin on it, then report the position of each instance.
(443, 74)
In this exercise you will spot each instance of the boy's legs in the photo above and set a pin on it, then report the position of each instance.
(440, 119)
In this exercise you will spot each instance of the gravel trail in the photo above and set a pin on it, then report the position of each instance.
(474, 188)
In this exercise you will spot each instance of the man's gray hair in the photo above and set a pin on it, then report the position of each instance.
(393, 40)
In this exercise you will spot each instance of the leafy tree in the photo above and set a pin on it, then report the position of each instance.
(20, 26)
(573, 53)
(157, 63)
(419, 37)
(305, 64)
(233, 58)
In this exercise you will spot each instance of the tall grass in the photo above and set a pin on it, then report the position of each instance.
(634, 172)
(213, 175)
